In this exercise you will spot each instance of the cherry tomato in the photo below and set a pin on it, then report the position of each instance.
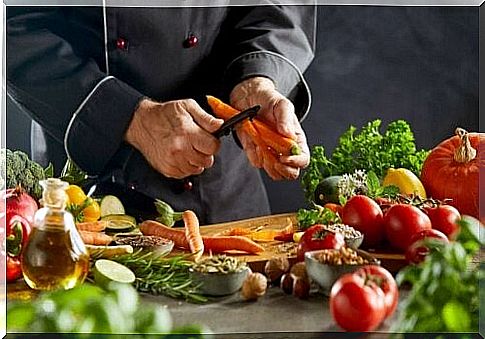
(402, 222)
(386, 282)
(356, 303)
(365, 215)
(417, 251)
(444, 218)
(317, 237)
(13, 268)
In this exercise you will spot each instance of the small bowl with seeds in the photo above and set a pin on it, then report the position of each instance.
(219, 275)
(150, 243)
(326, 266)
(353, 238)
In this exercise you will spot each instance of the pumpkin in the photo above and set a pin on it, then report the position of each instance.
(452, 170)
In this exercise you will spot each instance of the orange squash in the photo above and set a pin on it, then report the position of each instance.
(452, 171)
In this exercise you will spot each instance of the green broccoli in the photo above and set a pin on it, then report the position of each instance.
(17, 169)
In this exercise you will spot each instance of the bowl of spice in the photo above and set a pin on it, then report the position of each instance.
(219, 275)
(150, 243)
(353, 238)
(326, 266)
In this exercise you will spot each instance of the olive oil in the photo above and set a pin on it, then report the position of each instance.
(55, 256)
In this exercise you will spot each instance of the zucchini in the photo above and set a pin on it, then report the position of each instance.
(119, 222)
(111, 205)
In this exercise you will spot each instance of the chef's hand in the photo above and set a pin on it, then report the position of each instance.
(278, 111)
(174, 136)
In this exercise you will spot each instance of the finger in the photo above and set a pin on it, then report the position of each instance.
(269, 167)
(204, 142)
(299, 161)
(288, 172)
(199, 159)
(251, 149)
(206, 121)
(284, 112)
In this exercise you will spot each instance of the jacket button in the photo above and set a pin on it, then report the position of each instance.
(122, 43)
(191, 41)
(188, 184)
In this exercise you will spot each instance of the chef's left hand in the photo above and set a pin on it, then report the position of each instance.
(278, 111)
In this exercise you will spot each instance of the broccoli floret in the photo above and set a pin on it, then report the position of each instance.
(20, 170)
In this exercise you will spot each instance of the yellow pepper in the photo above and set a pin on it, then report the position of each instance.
(407, 182)
(82, 207)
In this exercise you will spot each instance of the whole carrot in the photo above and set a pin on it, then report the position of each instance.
(192, 233)
(151, 227)
(95, 238)
(228, 243)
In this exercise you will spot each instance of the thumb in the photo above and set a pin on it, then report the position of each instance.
(202, 118)
(284, 112)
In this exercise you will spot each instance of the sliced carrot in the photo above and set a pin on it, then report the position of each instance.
(227, 243)
(93, 226)
(221, 109)
(151, 227)
(237, 231)
(95, 238)
(192, 233)
(281, 144)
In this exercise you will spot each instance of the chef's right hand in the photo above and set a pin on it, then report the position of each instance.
(175, 136)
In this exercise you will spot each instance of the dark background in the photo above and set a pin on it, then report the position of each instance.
(414, 63)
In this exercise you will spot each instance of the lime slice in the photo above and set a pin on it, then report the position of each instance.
(107, 271)
(111, 205)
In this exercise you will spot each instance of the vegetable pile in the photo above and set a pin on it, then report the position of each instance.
(366, 150)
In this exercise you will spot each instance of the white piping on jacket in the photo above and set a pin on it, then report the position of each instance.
(105, 25)
(80, 107)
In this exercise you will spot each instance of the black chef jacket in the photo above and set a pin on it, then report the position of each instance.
(81, 71)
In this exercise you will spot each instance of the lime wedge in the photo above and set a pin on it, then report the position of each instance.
(111, 205)
(107, 271)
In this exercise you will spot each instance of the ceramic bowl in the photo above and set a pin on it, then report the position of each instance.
(219, 284)
(325, 275)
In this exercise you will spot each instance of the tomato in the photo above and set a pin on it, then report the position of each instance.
(357, 304)
(386, 282)
(417, 251)
(402, 222)
(365, 215)
(444, 218)
(317, 237)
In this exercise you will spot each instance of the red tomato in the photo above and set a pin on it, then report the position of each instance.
(386, 282)
(402, 222)
(317, 237)
(417, 251)
(444, 218)
(357, 304)
(365, 215)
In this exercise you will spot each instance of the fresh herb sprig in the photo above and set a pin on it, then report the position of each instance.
(367, 150)
(316, 215)
(445, 287)
(162, 275)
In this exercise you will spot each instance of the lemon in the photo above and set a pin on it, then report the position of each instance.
(407, 182)
(297, 236)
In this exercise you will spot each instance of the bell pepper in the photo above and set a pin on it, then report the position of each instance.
(18, 231)
(82, 207)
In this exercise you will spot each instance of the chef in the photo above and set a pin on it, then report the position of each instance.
(121, 92)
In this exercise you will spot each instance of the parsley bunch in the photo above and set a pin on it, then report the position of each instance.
(366, 150)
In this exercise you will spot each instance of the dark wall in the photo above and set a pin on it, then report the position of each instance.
(414, 63)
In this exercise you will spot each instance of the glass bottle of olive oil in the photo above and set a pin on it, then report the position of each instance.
(55, 256)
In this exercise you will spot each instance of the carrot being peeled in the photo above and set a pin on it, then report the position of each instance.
(192, 233)
(280, 143)
(221, 109)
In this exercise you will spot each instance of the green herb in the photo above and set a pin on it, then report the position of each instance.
(168, 216)
(445, 287)
(318, 215)
(365, 150)
(72, 174)
(157, 274)
(89, 309)
(375, 190)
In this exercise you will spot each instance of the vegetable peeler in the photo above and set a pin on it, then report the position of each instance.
(228, 125)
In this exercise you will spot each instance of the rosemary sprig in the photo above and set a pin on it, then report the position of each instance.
(163, 275)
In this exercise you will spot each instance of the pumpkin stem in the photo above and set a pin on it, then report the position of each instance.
(465, 152)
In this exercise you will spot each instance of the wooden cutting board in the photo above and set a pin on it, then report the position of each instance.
(392, 261)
